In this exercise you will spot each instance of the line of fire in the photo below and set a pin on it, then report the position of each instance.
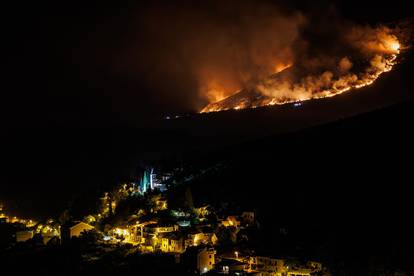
(375, 52)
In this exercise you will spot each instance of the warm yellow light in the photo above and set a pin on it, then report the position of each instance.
(395, 46)
(195, 240)
(121, 232)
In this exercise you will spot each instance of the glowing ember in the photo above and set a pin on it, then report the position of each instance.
(378, 54)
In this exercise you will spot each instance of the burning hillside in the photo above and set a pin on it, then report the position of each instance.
(361, 56)
(220, 55)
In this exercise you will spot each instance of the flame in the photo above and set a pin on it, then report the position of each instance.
(216, 91)
(383, 49)
(216, 94)
(395, 46)
(282, 67)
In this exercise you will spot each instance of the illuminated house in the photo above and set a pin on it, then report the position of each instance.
(202, 212)
(230, 221)
(199, 259)
(206, 260)
(172, 243)
(280, 267)
(150, 233)
(267, 265)
(231, 266)
(122, 233)
(158, 203)
(161, 204)
(22, 236)
(69, 231)
(156, 228)
(137, 232)
(304, 270)
(199, 238)
(79, 228)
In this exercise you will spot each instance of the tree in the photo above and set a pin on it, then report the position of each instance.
(65, 217)
(188, 198)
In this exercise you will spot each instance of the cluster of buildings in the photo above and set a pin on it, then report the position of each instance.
(197, 247)
(193, 236)
(172, 233)
(29, 229)
(45, 232)
(266, 266)
(5, 218)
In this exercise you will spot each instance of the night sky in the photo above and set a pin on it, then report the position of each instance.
(85, 87)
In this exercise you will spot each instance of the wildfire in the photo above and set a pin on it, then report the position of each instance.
(281, 67)
(380, 51)
(395, 46)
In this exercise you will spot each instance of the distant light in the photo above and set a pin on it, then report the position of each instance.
(298, 104)
(168, 117)
(106, 238)
(184, 223)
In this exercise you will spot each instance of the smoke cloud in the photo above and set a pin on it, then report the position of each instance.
(206, 52)
(327, 73)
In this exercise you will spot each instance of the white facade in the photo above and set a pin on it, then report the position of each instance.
(22, 236)
(78, 229)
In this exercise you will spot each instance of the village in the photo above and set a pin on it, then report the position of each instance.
(202, 239)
